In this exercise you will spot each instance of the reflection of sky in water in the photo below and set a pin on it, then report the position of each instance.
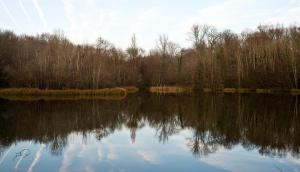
(118, 153)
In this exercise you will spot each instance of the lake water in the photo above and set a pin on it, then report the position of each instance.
(152, 133)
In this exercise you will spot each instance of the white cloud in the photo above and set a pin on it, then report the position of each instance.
(40, 13)
(239, 15)
(149, 157)
(238, 159)
(100, 153)
(67, 158)
(36, 158)
(112, 155)
(88, 168)
(294, 160)
(87, 20)
(83, 148)
(287, 18)
(116, 21)
(145, 20)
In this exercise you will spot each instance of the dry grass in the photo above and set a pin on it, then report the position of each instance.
(130, 89)
(229, 90)
(237, 90)
(171, 90)
(244, 90)
(177, 90)
(36, 94)
(207, 90)
(263, 91)
(295, 91)
(118, 93)
(64, 98)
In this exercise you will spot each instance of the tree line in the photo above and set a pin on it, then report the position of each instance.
(268, 57)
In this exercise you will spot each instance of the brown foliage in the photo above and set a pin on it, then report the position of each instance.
(268, 57)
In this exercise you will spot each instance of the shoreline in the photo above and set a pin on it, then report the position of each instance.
(119, 93)
(191, 90)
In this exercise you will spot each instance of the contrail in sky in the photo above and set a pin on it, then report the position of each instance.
(24, 11)
(40, 13)
(9, 13)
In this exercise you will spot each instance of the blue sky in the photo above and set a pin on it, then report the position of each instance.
(116, 20)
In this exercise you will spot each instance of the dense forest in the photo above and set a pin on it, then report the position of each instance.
(268, 57)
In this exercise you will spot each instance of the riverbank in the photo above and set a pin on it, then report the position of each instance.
(171, 90)
(189, 90)
(64, 94)
(119, 93)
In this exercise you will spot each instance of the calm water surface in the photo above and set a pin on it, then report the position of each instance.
(152, 133)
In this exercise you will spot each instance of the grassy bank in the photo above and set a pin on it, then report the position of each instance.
(262, 91)
(119, 93)
(65, 94)
(130, 89)
(181, 90)
(171, 90)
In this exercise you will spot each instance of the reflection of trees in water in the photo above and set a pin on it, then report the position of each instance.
(133, 123)
(202, 143)
(102, 132)
(2, 149)
(167, 127)
(57, 144)
(269, 124)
